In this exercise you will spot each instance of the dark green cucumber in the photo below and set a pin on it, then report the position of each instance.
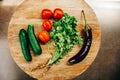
(23, 37)
(33, 40)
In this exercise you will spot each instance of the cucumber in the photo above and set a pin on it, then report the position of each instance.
(33, 40)
(23, 37)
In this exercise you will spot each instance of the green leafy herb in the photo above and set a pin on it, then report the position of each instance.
(65, 35)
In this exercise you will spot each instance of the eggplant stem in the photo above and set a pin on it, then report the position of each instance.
(86, 24)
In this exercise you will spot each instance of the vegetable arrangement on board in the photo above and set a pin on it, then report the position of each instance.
(62, 31)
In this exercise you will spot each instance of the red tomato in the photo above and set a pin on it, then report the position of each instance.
(47, 25)
(44, 36)
(46, 14)
(58, 13)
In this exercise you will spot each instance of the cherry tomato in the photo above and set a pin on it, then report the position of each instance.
(46, 14)
(47, 25)
(44, 36)
(58, 13)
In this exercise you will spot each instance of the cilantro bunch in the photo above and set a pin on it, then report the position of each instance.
(65, 36)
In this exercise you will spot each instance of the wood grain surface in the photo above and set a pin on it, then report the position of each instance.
(29, 12)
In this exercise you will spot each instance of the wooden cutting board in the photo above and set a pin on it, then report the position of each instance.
(29, 12)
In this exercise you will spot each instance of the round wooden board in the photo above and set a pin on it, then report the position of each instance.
(29, 12)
